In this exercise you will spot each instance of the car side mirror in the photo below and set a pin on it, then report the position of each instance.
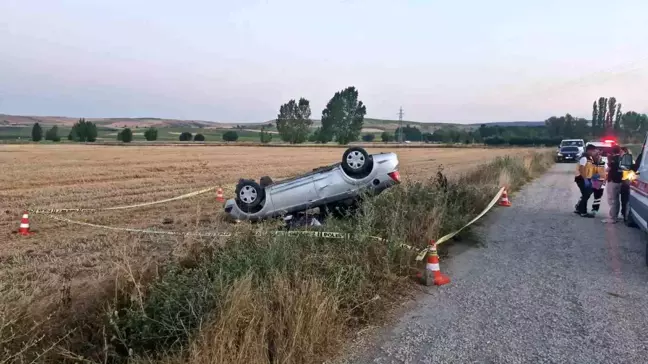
(626, 162)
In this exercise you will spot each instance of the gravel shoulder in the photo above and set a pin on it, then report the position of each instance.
(547, 286)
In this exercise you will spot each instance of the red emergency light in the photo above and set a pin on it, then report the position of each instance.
(609, 140)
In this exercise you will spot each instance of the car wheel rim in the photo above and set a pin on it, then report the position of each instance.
(248, 194)
(355, 160)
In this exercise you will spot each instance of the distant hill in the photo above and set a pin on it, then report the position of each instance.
(370, 125)
(18, 120)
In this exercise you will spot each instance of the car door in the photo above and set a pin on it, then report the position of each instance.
(639, 191)
(331, 186)
(293, 195)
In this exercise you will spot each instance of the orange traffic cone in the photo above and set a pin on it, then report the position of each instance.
(504, 201)
(24, 225)
(433, 273)
(219, 195)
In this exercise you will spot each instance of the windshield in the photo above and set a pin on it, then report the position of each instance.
(569, 143)
(569, 149)
(605, 151)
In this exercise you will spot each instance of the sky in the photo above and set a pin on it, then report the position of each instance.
(238, 61)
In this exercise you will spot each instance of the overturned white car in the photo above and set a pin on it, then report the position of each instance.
(329, 188)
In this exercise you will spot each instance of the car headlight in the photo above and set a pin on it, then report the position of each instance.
(560, 154)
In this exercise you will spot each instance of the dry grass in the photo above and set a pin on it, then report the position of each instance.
(84, 176)
(65, 270)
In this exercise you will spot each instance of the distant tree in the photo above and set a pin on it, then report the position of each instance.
(294, 122)
(441, 136)
(343, 117)
(185, 136)
(151, 134)
(83, 131)
(52, 134)
(486, 131)
(199, 138)
(634, 123)
(265, 137)
(602, 112)
(609, 118)
(410, 133)
(37, 133)
(314, 137)
(126, 135)
(230, 136)
(368, 137)
(386, 137)
(594, 117)
(617, 121)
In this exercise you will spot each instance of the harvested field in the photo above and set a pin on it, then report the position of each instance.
(75, 265)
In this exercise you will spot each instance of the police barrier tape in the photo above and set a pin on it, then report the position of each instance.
(313, 233)
(64, 210)
(447, 237)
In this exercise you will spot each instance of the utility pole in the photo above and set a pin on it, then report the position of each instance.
(400, 125)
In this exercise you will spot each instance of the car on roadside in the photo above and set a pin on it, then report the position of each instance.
(568, 154)
(335, 188)
(637, 213)
(578, 143)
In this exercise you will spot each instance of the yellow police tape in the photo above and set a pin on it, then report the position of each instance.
(58, 211)
(447, 237)
(313, 233)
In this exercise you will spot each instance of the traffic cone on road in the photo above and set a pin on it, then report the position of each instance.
(433, 275)
(504, 201)
(219, 195)
(24, 225)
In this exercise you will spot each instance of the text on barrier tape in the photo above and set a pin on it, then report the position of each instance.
(318, 234)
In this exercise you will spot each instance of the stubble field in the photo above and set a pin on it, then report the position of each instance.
(66, 259)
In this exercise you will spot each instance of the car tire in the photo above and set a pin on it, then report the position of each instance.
(249, 195)
(356, 162)
(629, 221)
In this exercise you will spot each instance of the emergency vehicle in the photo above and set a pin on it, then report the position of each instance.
(605, 148)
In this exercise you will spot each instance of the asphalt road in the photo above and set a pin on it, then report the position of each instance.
(548, 286)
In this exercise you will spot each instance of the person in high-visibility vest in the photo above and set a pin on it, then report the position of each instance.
(583, 179)
(598, 181)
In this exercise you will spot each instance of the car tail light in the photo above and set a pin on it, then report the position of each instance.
(395, 175)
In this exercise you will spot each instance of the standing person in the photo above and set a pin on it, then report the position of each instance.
(598, 181)
(625, 186)
(583, 180)
(614, 179)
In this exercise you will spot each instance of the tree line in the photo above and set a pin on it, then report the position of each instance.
(342, 119)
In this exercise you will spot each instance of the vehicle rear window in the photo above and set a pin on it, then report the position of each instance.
(569, 149)
(605, 151)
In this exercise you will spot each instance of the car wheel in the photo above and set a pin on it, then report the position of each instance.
(249, 195)
(629, 221)
(356, 162)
